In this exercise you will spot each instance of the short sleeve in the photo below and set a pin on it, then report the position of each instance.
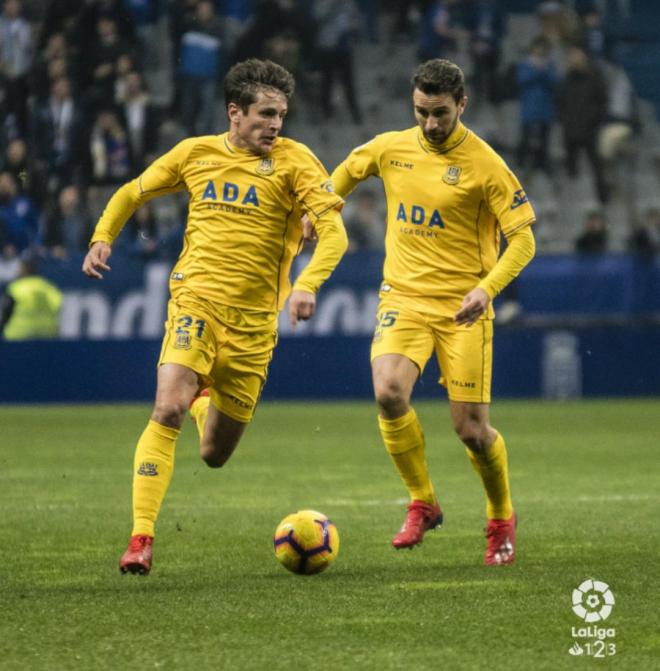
(164, 174)
(364, 161)
(312, 185)
(506, 199)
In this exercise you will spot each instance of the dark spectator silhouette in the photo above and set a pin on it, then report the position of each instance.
(68, 225)
(338, 23)
(200, 68)
(537, 80)
(16, 54)
(582, 101)
(58, 132)
(594, 237)
(645, 239)
(19, 218)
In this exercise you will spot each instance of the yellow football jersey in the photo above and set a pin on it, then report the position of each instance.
(243, 227)
(446, 207)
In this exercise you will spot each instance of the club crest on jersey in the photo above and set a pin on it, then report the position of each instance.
(182, 340)
(265, 167)
(451, 175)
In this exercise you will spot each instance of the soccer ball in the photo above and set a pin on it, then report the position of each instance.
(306, 542)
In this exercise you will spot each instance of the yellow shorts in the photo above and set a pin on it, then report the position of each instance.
(464, 353)
(232, 362)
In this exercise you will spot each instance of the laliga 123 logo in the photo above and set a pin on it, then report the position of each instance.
(593, 602)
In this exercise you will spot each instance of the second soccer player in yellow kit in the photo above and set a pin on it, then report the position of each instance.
(449, 196)
(248, 189)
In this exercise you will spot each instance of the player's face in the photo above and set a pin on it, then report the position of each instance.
(437, 114)
(257, 128)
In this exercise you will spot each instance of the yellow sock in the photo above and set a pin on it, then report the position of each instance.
(199, 411)
(153, 466)
(404, 440)
(494, 472)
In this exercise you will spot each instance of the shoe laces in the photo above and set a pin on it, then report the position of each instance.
(418, 512)
(497, 533)
(138, 542)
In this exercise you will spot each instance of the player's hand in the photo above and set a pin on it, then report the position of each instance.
(309, 232)
(302, 305)
(474, 305)
(96, 260)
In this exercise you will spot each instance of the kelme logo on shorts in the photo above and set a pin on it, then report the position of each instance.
(593, 601)
(147, 468)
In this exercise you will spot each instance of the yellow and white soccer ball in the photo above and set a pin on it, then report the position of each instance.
(306, 542)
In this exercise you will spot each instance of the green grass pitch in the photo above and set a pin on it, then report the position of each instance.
(585, 485)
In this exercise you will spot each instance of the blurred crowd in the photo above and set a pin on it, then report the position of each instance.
(78, 118)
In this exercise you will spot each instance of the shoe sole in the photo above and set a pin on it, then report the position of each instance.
(135, 569)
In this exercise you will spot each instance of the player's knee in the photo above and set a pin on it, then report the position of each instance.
(472, 434)
(389, 395)
(214, 460)
(215, 456)
(169, 413)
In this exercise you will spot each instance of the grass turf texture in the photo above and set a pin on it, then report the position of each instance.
(585, 485)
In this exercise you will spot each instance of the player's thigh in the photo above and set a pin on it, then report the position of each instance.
(393, 375)
(190, 339)
(401, 332)
(465, 357)
(239, 372)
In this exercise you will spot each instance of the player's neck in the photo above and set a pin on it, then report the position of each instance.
(455, 138)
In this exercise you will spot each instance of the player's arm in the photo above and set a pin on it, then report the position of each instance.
(343, 183)
(160, 178)
(519, 252)
(361, 163)
(331, 246)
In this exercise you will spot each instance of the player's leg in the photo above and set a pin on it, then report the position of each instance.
(399, 351)
(222, 434)
(240, 368)
(487, 452)
(465, 357)
(219, 434)
(394, 377)
(186, 357)
(154, 460)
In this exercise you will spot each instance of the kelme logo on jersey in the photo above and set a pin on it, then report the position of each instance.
(231, 193)
(418, 215)
(519, 198)
(452, 175)
(265, 167)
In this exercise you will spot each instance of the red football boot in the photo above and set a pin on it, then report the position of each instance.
(501, 541)
(137, 558)
(199, 394)
(420, 518)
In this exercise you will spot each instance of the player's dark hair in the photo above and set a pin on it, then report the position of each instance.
(439, 76)
(245, 79)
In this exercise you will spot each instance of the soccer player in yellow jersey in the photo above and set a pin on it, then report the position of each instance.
(248, 189)
(449, 197)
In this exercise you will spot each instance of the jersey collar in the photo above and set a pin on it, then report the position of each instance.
(457, 136)
(233, 149)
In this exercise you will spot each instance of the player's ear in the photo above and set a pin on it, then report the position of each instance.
(233, 112)
(462, 104)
